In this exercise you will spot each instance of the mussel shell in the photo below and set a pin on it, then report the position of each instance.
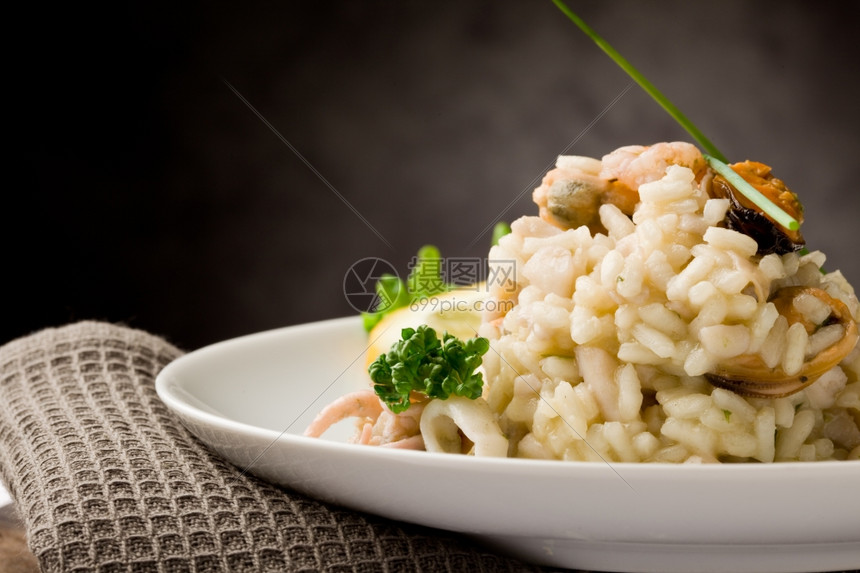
(770, 236)
(750, 388)
(748, 376)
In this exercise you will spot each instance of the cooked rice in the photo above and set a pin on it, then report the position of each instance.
(604, 354)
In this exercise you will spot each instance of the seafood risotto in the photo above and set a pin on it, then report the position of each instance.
(659, 334)
(653, 316)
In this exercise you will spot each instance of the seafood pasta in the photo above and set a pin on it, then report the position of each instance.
(653, 315)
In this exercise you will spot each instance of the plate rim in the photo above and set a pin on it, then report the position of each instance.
(167, 384)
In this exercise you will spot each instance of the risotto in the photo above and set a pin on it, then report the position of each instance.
(649, 313)
(648, 328)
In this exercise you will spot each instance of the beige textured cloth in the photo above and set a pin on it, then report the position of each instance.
(106, 479)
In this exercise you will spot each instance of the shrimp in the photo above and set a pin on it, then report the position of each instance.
(360, 404)
(378, 426)
(634, 165)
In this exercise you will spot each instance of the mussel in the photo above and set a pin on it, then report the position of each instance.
(571, 203)
(743, 215)
(749, 376)
(570, 195)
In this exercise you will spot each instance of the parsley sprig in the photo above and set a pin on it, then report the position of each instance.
(420, 362)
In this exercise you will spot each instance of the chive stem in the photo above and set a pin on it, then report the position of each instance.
(766, 205)
(667, 105)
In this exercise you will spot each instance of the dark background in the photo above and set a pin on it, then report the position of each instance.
(143, 190)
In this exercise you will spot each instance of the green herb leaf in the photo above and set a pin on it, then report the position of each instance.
(426, 276)
(425, 280)
(392, 294)
(500, 230)
(727, 414)
(642, 81)
(420, 362)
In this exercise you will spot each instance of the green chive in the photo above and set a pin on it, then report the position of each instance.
(716, 159)
(642, 81)
(767, 206)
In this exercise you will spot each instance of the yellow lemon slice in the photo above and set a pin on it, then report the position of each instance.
(457, 312)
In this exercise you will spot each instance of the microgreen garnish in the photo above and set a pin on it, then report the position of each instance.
(767, 206)
(642, 81)
(420, 362)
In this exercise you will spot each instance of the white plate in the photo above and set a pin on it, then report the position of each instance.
(250, 398)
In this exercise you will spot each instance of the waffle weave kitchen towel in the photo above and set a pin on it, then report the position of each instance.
(106, 479)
